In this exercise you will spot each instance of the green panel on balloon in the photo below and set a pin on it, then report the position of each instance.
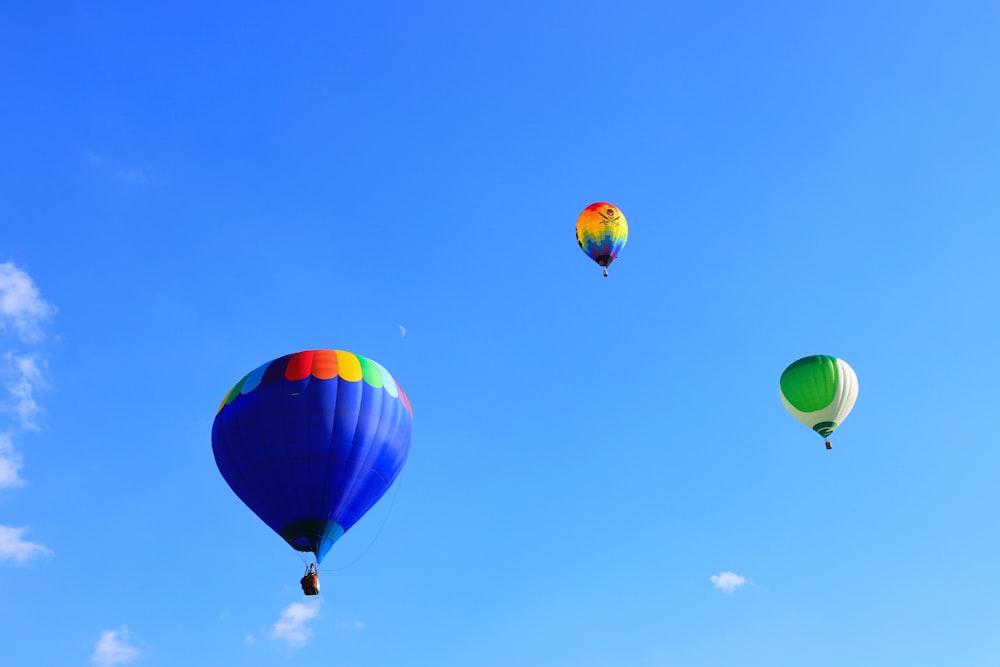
(811, 383)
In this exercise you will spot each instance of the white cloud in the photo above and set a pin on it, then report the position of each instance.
(727, 582)
(355, 626)
(132, 176)
(13, 547)
(22, 311)
(22, 374)
(10, 463)
(291, 628)
(22, 307)
(113, 648)
(10, 466)
(94, 157)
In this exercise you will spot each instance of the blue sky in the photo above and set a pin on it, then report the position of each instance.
(601, 472)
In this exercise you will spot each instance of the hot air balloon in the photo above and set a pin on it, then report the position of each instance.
(601, 231)
(310, 442)
(819, 391)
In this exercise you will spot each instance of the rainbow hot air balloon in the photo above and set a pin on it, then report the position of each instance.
(601, 232)
(310, 442)
(819, 391)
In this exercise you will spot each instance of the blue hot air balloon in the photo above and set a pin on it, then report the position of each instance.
(311, 441)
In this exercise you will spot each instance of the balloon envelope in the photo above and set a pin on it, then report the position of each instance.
(310, 441)
(601, 232)
(819, 391)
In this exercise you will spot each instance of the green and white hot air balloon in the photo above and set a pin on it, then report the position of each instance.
(819, 391)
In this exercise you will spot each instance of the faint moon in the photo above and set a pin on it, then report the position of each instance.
(402, 329)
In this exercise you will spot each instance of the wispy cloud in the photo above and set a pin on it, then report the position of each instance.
(10, 463)
(22, 308)
(292, 628)
(14, 547)
(132, 176)
(127, 174)
(113, 648)
(22, 374)
(23, 311)
(727, 582)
